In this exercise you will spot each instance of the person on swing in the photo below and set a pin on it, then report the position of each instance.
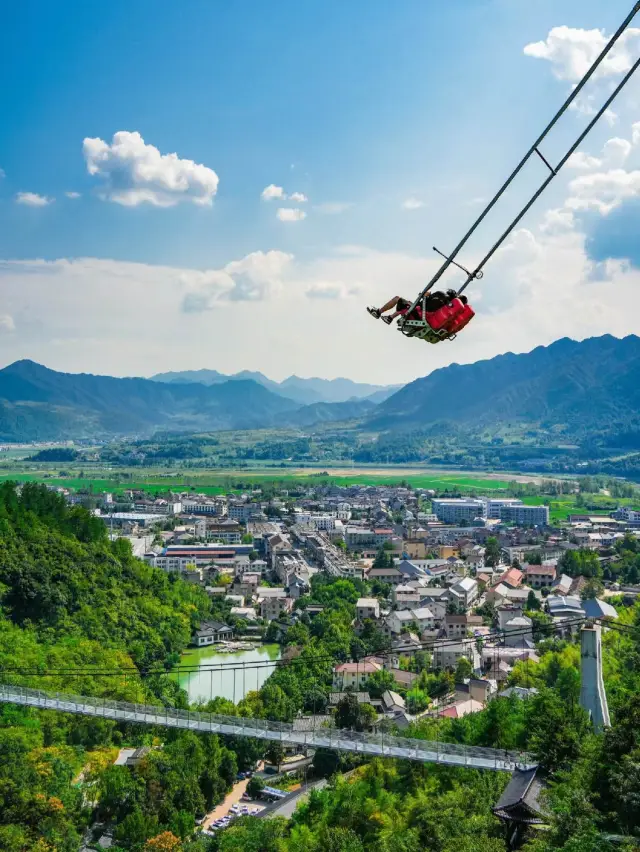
(433, 302)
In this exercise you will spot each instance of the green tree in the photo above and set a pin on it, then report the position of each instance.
(532, 604)
(464, 669)
(379, 682)
(492, 552)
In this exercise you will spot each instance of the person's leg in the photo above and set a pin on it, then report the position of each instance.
(402, 306)
(377, 312)
(390, 304)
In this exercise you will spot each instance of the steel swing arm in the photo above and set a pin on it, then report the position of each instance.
(553, 171)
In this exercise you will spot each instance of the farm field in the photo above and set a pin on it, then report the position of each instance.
(215, 482)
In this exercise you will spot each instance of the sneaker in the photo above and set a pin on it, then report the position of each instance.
(388, 320)
(375, 313)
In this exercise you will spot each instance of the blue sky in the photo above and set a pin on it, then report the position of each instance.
(392, 119)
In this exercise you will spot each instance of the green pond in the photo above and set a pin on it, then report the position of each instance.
(226, 679)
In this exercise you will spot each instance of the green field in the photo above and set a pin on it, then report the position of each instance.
(211, 483)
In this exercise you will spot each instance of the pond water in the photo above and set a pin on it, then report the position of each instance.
(225, 679)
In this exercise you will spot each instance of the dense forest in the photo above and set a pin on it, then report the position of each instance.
(72, 600)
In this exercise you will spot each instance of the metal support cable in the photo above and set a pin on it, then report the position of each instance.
(532, 150)
(553, 174)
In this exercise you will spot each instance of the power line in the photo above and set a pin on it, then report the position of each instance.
(426, 645)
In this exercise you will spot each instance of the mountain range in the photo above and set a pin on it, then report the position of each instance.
(37, 403)
(588, 386)
(304, 391)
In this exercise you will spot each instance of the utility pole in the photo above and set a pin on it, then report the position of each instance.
(593, 698)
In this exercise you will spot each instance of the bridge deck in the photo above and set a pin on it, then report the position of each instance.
(379, 744)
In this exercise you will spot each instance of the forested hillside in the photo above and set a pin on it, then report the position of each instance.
(71, 600)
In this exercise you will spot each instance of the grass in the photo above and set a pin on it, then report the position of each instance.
(212, 483)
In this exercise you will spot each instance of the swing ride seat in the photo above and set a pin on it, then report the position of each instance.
(439, 325)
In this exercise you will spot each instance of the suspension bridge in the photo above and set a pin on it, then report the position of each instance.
(369, 744)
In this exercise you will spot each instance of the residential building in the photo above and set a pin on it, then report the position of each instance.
(404, 619)
(359, 538)
(244, 511)
(392, 703)
(354, 675)
(446, 654)
(246, 584)
(204, 507)
(525, 516)
(273, 602)
(367, 608)
(415, 548)
(405, 596)
(632, 516)
(452, 511)
(225, 531)
(464, 592)
(247, 612)
(540, 576)
(494, 506)
(507, 612)
(210, 632)
(512, 578)
(458, 626)
(386, 575)
(518, 632)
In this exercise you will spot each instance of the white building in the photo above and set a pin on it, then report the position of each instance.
(353, 675)
(446, 654)
(494, 506)
(465, 591)
(454, 510)
(404, 619)
(244, 511)
(526, 516)
(367, 608)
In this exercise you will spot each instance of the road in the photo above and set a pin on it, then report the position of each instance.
(232, 798)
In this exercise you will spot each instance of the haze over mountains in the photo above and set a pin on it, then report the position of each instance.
(305, 391)
(591, 385)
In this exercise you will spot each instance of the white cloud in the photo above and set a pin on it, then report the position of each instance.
(614, 153)
(580, 160)
(32, 199)
(272, 192)
(572, 51)
(603, 191)
(412, 203)
(256, 277)
(73, 194)
(135, 173)
(290, 214)
(556, 220)
(7, 323)
(333, 208)
(540, 287)
(332, 290)
(298, 197)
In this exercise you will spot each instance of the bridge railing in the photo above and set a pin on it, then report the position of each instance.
(378, 743)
